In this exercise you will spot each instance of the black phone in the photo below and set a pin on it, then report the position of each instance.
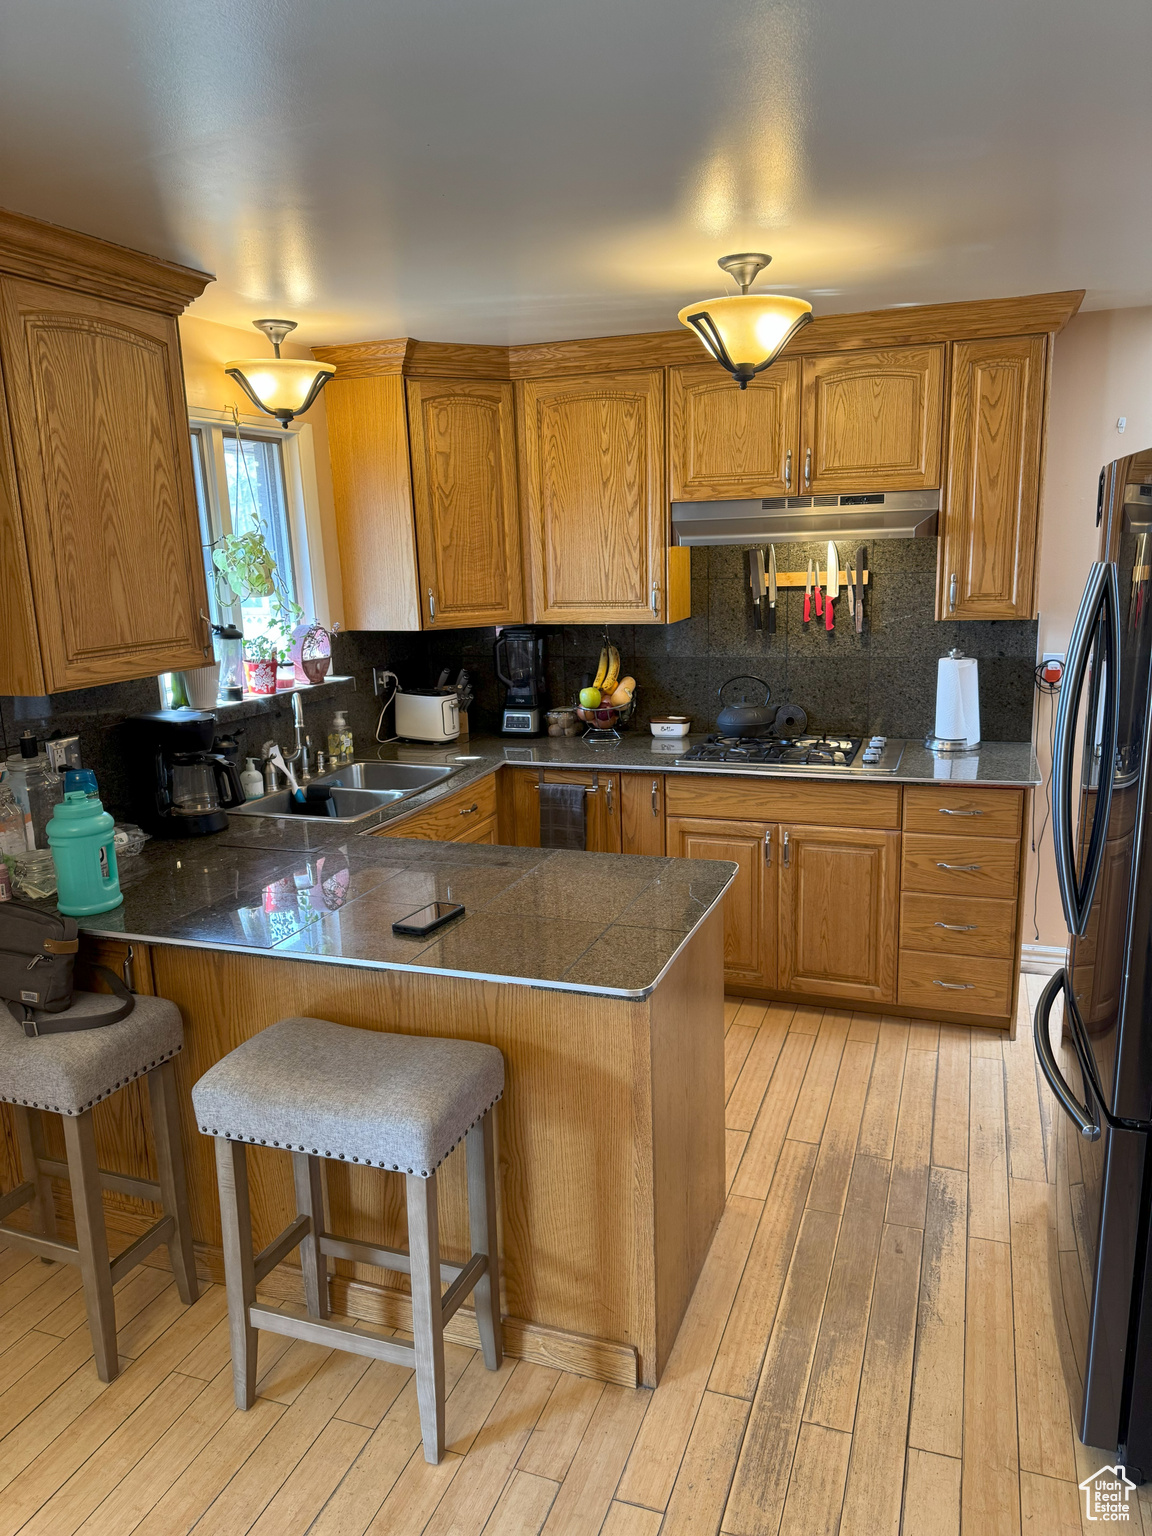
(427, 919)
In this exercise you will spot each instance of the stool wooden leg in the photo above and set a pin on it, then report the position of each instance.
(427, 1316)
(482, 1225)
(239, 1270)
(173, 1186)
(92, 1241)
(30, 1142)
(310, 1203)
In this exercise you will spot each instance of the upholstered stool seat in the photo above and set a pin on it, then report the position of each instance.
(66, 1074)
(356, 1095)
(396, 1102)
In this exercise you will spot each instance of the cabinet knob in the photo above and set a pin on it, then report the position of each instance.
(787, 851)
(768, 846)
(608, 796)
(957, 927)
(808, 469)
(788, 470)
(955, 986)
(431, 606)
(952, 585)
(207, 623)
(939, 865)
(468, 810)
(656, 598)
(947, 811)
(655, 797)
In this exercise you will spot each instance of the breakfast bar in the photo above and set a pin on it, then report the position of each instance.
(598, 976)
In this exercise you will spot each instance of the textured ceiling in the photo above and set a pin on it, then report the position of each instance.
(519, 170)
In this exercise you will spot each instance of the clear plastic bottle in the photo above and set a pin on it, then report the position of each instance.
(13, 838)
(339, 740)
(42, 786)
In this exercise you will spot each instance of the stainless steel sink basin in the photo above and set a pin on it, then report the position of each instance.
(359, 790)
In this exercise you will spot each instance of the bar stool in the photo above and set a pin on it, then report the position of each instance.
(65, 1075)
(401, 1102)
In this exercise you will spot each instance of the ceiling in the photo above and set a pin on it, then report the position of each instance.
(520, 170)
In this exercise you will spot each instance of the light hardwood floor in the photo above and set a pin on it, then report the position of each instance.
(869, 1350)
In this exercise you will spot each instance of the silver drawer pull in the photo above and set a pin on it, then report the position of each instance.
(467, 811)
(956, 866)
(957, 927)
(955, 986)
(946, 811)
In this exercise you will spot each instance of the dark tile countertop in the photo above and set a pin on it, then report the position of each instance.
(585, 922)
(578, 922)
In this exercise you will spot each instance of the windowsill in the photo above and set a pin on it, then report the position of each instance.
(256, 701)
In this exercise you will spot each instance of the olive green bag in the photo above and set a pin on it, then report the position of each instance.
(37, 956)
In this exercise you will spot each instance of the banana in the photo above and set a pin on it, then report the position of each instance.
(601, 671)
(612, 676)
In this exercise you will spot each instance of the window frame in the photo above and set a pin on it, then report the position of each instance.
(302, 500)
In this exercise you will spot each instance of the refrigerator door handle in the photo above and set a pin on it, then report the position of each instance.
(1076, 1112)
(1101, 592)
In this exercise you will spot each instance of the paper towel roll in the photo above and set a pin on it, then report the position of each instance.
(958, 700)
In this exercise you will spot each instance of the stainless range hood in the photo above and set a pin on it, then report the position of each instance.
(805, 519)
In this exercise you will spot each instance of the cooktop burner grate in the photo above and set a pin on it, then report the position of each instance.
(782, 751)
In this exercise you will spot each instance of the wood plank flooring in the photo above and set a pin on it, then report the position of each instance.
(869, 1350)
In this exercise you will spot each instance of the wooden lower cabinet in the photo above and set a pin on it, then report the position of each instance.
(642, 813)
(468, 816)
(520, 807)
(839, 912)
(750, 907)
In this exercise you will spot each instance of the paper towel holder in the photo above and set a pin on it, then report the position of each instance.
(954, 746)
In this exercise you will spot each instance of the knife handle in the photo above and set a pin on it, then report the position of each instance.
(807, 609)
(771, 619)
(819, 598)
(828, 614)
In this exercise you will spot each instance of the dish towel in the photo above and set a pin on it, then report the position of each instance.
(562, 822)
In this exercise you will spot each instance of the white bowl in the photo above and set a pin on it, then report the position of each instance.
(670, 725)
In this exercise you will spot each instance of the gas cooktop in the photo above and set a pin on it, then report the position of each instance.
(812, 754)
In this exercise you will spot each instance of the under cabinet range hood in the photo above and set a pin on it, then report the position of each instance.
(803, 519)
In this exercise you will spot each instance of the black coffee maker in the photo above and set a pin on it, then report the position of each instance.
(519, 659)
(182, 782)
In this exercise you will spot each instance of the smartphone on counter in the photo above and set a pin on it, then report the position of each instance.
(427, 919)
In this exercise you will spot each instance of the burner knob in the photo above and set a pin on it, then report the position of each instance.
(878, 741)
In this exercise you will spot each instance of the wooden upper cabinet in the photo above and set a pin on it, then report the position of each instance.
(729, 443)
(872, 420)
(596, 511)
(839, 912)
(103, 479)
(463, 450)
(991, 511)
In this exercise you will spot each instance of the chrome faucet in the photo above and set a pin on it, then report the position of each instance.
(299, 754)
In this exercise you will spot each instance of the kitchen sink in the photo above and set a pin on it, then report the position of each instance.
(359, 790)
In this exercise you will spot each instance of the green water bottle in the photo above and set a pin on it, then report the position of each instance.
(80, 836)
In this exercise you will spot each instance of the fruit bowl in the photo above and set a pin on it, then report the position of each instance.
(603, 720)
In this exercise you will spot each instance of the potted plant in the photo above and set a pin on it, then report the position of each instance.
(260, 662)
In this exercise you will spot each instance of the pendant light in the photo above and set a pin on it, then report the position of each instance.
(746, 333)
(281, 386)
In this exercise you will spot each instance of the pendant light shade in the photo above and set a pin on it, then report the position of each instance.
(283, 387)
(746, 332)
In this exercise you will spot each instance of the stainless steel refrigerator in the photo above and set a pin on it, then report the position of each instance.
(1096, 1049)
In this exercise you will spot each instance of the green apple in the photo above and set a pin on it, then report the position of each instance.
(590, 697)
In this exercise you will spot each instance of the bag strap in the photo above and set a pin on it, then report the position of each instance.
(63, 1023)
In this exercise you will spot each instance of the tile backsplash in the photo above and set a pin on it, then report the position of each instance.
(881, 681)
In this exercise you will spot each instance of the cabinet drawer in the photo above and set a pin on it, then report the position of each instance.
(945, 983)
(452, 819)
(759, 799)
(968, 813)
(959, 925)
(960, 866)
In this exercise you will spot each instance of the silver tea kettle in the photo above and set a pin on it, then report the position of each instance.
(745, 719)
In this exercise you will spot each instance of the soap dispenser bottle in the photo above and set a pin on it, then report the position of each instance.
(339, 739)
(251, 780)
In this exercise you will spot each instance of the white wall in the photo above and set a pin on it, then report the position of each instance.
(1102, 370)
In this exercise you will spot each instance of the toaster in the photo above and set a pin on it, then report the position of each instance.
(428, 714)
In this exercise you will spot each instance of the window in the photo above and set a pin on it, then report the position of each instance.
(248, 475)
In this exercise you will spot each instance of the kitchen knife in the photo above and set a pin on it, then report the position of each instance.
(851, 596)
(832, 591)
(771, 589)
(756, 583)
(861, 557)
(808, 596)
(818, 598)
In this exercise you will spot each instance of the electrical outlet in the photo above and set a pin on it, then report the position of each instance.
(1056, 656)
(381, 677)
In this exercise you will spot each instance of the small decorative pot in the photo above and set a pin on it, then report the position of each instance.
(202, 686)
(285, 676)
(260, 676)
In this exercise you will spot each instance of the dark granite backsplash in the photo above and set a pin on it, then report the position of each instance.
(881, 681)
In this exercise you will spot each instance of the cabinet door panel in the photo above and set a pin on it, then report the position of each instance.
(601, 806)
(642, 813)
(750, 904)
(872, 420)
(729, 442)
(464, 495)
(991, 513)
(104, 467)
(839, 912)
(594, 482)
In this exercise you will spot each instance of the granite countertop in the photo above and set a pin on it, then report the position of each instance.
(602, 923)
